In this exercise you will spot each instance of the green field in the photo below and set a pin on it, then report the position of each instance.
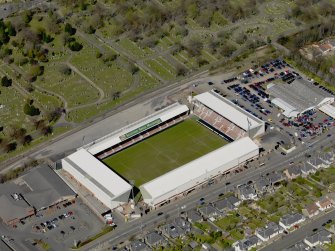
(164, 152)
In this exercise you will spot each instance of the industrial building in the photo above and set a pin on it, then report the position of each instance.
(226, 117)
(186, 178)
(299, 97)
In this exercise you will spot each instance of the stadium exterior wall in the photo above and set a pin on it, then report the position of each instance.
(107, 200)
(191, 183)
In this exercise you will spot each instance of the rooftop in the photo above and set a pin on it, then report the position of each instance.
(100, 176)
(46, 186)
(229, 110)
(14, 208)
(299, 95)
(196, 170)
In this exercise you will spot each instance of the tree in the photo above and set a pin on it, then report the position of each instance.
(75, 46)
(31, 110)
(47, 130)
(11, 147)
(27, 139)
(65, 70)
(6, 82)
(69, 29)
(116, 95)
(181, 70)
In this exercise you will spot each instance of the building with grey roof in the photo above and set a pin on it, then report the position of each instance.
(290, 220)
(155, 240)
(177, 228)
(193, 216)
(275, 178)
(297, 97)
(46, 188)
(300, 246)
(246, 192)
(293, 172)
(320, 238)
(138, 246)
(317, 163)
(229, 203)
(269, 231)
(208, 211)
(13, 206)
(307, 169)
(262, 185)
(246, 244)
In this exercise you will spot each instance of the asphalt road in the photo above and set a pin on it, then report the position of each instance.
(299, 234)
(277, 162)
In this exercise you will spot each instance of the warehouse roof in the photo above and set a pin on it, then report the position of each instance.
(228, 109)
(299, 94)
(328, 109)
(133, 129)
(289, 111)
(47, 188)
(196, 169)
(97, 173)
(15, 208)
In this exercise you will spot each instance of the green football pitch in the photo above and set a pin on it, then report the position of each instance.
(164, 151)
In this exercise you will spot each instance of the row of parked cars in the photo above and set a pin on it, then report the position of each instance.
(51, 224)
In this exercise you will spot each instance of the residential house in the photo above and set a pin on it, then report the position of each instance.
(227, 204)
(193, 244)
(246, 192)
(262, 185)
(269, 231)
(300, 246)
(328, 158)
(311, 210)
(307, 169)
(138, 246)
(293, 172)
(155, 240)
(320, 238)
(275, 178)
(331, 196)
(324, 203)
(193, 216)
(246, 244)
(207, 246)
(178, 228)
(317, 163)
(208, 212)
(290, 220)
(325, 48)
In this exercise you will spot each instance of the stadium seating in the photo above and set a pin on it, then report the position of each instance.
(218, 122)
(140, 137)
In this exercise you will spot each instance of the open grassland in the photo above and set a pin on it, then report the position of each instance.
(164, 152)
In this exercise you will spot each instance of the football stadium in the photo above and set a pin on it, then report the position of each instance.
(168, 153)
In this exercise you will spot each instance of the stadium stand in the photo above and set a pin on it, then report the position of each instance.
(218, 122)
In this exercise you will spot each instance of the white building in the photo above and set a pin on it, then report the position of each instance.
(187, 177)
(299, 97)
(108, 187)
(235, 114)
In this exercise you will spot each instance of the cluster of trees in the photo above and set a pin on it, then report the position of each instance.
(30, 109)
(69, 40)
(311, 10)
(321, 66)
(311, 35)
